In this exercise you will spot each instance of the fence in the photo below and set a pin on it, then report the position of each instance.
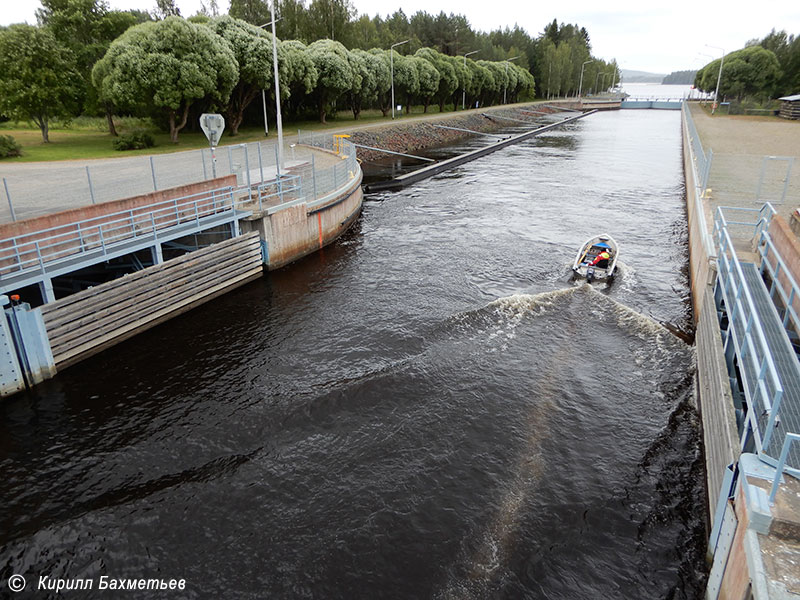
(702, 162)
(757, 368)
(309, 176)
(761, 321)
(33, 189)
(748, 180)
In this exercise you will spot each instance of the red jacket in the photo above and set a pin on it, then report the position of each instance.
(604, 255)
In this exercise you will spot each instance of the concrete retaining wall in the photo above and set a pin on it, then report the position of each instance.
(720, 434)
(300, 229)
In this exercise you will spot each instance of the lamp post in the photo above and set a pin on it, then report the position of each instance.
(464, 90)
(580, 86)
(506, 86)
(279, 165)
(719, 77)
(391, 62)
(596, 78)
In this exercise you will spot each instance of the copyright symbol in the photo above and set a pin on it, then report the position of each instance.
(16, 583)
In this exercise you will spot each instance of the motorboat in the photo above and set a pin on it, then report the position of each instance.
(586, 264)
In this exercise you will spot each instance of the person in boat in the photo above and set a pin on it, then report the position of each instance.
(601, 260)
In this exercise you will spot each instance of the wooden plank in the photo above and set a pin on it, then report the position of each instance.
(83, 304)
(123, 333)
(172, 294)
(121, 317)
(79, 297)
(108, 298)
(141, 292)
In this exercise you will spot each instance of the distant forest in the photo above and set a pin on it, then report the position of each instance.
(680, 78)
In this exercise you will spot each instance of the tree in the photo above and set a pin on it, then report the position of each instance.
(428, 80)
(406, 79)
(166, 8)
(303, 74)
(167, 65)
(787, 50)
(752, 71)
(375, 78)
(87, 28)
(252, 48)
(335, 74)
(255, 12)
(330, 19)
(448, 81)
(38, 77)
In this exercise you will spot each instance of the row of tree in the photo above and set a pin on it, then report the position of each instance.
(763, 69)
(84, 58)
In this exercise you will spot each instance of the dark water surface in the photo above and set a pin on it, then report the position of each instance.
(426, 409)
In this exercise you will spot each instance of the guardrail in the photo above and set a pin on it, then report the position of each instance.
(787, 442)
(34, 250)
(308, 176)
(702, 160)
(756, 366)
(781, 279)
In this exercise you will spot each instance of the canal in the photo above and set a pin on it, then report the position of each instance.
(429, 408)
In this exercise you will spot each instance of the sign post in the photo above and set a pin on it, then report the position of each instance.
(213, 125)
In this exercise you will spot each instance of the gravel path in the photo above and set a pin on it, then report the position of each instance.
(740, 176)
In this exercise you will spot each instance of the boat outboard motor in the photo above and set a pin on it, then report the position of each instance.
(589, 275)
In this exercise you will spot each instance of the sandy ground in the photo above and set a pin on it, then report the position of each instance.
(754, 160)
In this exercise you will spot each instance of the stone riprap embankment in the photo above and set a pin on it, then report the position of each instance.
(411, 137)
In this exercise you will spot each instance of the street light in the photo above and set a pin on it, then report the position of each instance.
(264, 95)
(391, 62)
(580, 86)
(719, 77)
(596, 77)
(464, 91)
(279, 165)
(506, 86)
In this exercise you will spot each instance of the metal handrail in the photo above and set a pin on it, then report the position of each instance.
(787, 442)
(767, 248)
(753, 348)
(27, 252)
(81, 236)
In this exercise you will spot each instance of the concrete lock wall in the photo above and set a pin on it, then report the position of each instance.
(720, 434)
(300, 229)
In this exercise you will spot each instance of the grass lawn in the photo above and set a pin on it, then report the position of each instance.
(87, 138)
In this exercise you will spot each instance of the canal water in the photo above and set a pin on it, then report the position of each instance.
(428, 408)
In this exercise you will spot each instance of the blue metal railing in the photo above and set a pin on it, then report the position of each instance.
(760, 380)
(31, 251)
(782, 283)
(787, 442)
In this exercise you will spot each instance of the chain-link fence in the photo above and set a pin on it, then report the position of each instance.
(32, 189)
(748, 181)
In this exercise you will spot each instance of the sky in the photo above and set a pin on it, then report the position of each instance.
(657, 37)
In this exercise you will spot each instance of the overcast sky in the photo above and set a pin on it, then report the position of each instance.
(658, 37)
